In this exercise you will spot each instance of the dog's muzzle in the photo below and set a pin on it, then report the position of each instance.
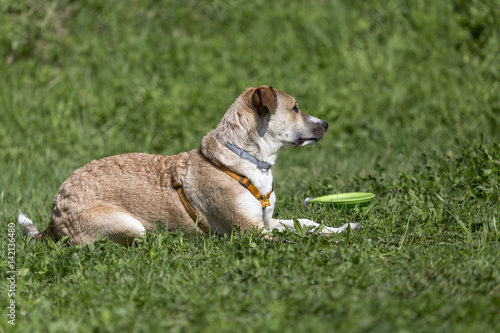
(317, 132)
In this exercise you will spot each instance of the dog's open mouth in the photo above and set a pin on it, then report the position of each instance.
(305, 141)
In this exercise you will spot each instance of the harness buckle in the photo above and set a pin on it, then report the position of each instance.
(242, 183)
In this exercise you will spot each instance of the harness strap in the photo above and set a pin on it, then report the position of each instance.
(246, 183)
(189, 209)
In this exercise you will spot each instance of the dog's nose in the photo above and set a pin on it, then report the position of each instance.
(325, 124)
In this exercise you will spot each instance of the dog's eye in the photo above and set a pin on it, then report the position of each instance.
(296, 108)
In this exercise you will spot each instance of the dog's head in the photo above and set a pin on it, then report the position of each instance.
(279, 118)
(262, 121)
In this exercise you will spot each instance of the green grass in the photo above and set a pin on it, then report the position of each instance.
(411, 92)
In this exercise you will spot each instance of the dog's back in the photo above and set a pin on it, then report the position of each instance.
(119, 197)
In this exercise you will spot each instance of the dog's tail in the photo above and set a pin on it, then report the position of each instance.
(29, 228)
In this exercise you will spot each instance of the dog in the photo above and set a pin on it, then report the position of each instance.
(226, 183)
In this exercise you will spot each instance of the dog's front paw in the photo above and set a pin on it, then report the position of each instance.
(330, 230)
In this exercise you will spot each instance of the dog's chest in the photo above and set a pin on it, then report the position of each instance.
(262, 180)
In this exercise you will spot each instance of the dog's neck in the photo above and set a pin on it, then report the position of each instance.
(243, 154)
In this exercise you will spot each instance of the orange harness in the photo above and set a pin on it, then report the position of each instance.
(244, 181)
(189, 208)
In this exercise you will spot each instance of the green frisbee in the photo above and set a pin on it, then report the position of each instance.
(343, 200)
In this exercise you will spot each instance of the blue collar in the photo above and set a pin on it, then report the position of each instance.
(243, 154)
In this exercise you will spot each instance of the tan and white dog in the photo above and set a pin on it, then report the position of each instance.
(226, 183)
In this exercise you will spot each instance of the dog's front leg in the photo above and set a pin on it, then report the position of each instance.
(281, 225)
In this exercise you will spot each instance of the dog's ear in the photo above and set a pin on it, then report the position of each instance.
(265, 100)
